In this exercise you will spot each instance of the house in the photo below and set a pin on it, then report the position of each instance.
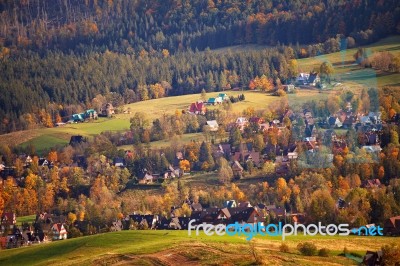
(372, 258)
(8, 219)
(174, 224)
(223, 96)
(302, 79)
(372, 149)
(391, 226)
(245, 156)
(196, 207)
(90, 114)
(151, 220)
(116, 226)
(242, 215)
(213, 125)
(365, 120)
(237, 169)
(224, 150)
(309, 131)
(241, 122)
(163, 223)
(75, 118)
(349, 122)
(288, 88)
(107, 110)
(197, 108)
(59, 231)
(334, 122)
(214, 101)
(119, 162)
(371, 183)
(230, 204)
(43, 162)
(375, 117)
(215, 215)
(299, 218)
(313, 79)
(293, 155)
(147, 179)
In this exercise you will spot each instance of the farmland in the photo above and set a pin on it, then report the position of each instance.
(176, 247)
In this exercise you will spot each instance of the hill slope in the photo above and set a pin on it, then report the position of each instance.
(176, 247)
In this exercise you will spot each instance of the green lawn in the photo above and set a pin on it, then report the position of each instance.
(26, 219)
(163, 247)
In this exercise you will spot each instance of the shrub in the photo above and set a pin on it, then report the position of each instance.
(307, 248)
(345, 251)
(323, 252)
(391, 254)
(284, 248)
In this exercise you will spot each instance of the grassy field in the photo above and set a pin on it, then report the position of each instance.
(347, 71)
(176, 247)
(26, 219)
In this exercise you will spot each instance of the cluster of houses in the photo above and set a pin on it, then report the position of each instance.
(231, 212)
(12, 236)
(107, 110)
(199, 107)
(308, 79)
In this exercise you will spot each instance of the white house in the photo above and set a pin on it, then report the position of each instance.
(213, 125)
(59, 231)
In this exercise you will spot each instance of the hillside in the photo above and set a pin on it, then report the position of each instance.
(176, 247)
(57, 57)
(346, 72)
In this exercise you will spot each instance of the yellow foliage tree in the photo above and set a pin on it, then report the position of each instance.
(184, 165)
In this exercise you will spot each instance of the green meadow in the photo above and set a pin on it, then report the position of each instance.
(176, 247)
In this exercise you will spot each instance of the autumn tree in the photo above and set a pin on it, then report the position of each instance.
(326, 70)
(322, 207)
(184, 165)
(225, 172)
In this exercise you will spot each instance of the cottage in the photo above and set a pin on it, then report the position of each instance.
(302, 78)
(214, 101)
(119, 162)
(147, 179)
(371, 183)
(241, 122)
(374, 149)
(247, 215)
(288, 88)
(237, 169)
(391, 226)
(230, 204)
(215, 215)
(107, 110)
(196, 207)
(213, 125)
(8, 219)
(313, 79)
(197, 108)
(59, 231)
(223, 96)
(334, 122)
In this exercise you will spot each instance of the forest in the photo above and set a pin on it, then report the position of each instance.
(56, 56)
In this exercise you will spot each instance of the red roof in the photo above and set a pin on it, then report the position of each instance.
(196, 107)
